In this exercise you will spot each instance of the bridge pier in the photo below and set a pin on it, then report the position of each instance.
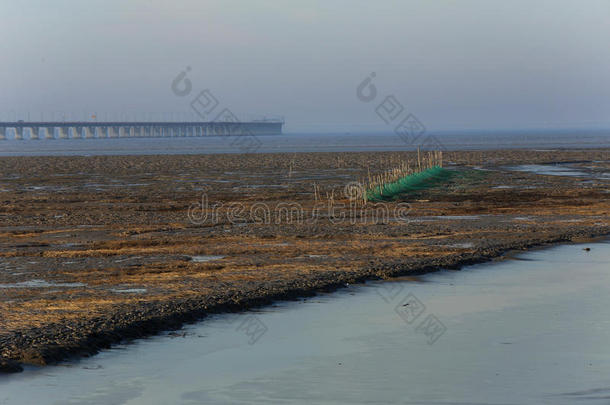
(2, 133)
(77, 132)
(19, 133)
(88, 133)
(112, 132)
(63, 132)
(48, 132)
(34, 132)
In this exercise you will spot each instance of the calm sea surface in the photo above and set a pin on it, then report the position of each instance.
(479, 140)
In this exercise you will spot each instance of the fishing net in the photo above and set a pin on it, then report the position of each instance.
(413, 182)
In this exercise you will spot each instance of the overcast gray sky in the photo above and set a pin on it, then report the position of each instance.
(454, 64)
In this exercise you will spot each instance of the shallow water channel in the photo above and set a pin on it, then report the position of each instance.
(531, 329)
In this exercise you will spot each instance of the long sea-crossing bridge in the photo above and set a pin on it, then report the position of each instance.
(21, 130)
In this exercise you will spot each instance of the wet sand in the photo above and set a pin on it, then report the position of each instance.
(96, 250)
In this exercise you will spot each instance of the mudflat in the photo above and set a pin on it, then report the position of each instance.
(95, 250)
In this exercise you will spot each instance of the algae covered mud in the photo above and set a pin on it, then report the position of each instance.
(97, 250)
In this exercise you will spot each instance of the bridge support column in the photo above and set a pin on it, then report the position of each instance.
(63, 132)
(2, 133)
(88, 133)
(34, 133)
(77, 132)
(19, 133)
(48, 132)
(112, 132)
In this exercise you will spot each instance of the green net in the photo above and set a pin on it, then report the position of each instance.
(410, 183)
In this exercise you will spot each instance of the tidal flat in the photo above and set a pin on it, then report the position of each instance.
(98, 250)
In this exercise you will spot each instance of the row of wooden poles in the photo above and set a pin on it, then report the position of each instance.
(425, 161)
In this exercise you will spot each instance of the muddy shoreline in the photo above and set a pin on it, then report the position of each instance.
(66, 235)
(90, 339)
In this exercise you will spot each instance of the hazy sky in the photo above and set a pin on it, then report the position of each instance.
(453, 64)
